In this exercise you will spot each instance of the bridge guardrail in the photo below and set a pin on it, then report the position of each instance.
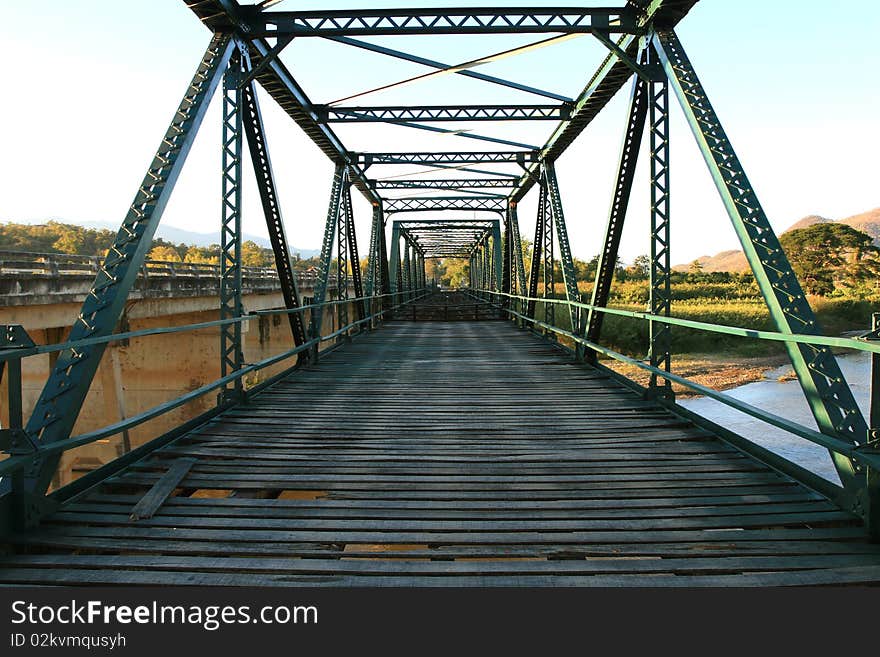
(16, 345)
(865, 457)
(58, 265)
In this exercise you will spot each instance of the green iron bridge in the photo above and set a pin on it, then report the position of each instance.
(471, 437)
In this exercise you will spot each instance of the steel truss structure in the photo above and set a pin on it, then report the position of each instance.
(642, 47)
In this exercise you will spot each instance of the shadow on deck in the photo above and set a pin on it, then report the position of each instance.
(449, 453)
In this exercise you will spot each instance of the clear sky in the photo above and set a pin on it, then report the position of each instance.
(92, 84)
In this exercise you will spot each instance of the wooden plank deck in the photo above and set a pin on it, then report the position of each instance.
(460, 453)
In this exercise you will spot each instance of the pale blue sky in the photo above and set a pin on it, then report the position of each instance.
(91, 85)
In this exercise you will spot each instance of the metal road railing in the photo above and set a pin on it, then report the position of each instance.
(14, 348)
(866, 456)
(59, 265)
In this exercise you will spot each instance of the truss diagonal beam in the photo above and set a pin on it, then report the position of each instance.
(517, 251)
(569, 277)
(256, 138)
(62, 397)
(629, 155)
(824, 385)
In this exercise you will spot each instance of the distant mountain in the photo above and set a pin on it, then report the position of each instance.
(735, 261)
(724, 261)
(806, 222)
(867, 222)
(178, 235)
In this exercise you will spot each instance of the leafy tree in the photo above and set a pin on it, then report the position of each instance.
(209, 255)
(164, 254)
(825, 256)
(454, 272)
(253, 255)
(640, 268)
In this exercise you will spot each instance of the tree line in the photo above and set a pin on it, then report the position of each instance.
(58, 237)
(830, 259)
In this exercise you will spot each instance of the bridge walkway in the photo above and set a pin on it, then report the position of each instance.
(449, 453)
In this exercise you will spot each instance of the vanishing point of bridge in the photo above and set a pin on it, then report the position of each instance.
(471, 437)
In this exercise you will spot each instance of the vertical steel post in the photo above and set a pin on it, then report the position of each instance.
(396, 281)
(333, 210)
(660, 284)
(507, 264)
(373, 279)
(549, 259)
(383, 271)
(872, 475)
(497, 259)
(342, 261)
(231, 356)
(537, 253)
(518, 282)
(407, 270)
(354, 257)
(517, 252)
(488, 266)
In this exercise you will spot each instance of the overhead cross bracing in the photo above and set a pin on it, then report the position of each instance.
(623, 24)
(455, 238)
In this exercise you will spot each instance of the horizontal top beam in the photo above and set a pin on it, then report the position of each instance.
(440, 183)
(446, 224)
(428, 203)
(471, 20)
(516, 157)
(396, 113)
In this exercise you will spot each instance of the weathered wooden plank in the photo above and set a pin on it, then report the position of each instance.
(847, 533)
(823, 577)
(109, 544)
(156, 496)
(233, 503)
(352, 566)
(384, 529)
(319, 512)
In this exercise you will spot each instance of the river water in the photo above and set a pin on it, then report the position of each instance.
(786, 399)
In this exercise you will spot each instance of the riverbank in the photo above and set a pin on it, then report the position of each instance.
(718, 371)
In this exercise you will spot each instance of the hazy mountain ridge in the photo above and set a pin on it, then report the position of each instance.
(735, 260)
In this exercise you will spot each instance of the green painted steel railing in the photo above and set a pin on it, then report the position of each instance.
(866, 456)
(12, 354)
